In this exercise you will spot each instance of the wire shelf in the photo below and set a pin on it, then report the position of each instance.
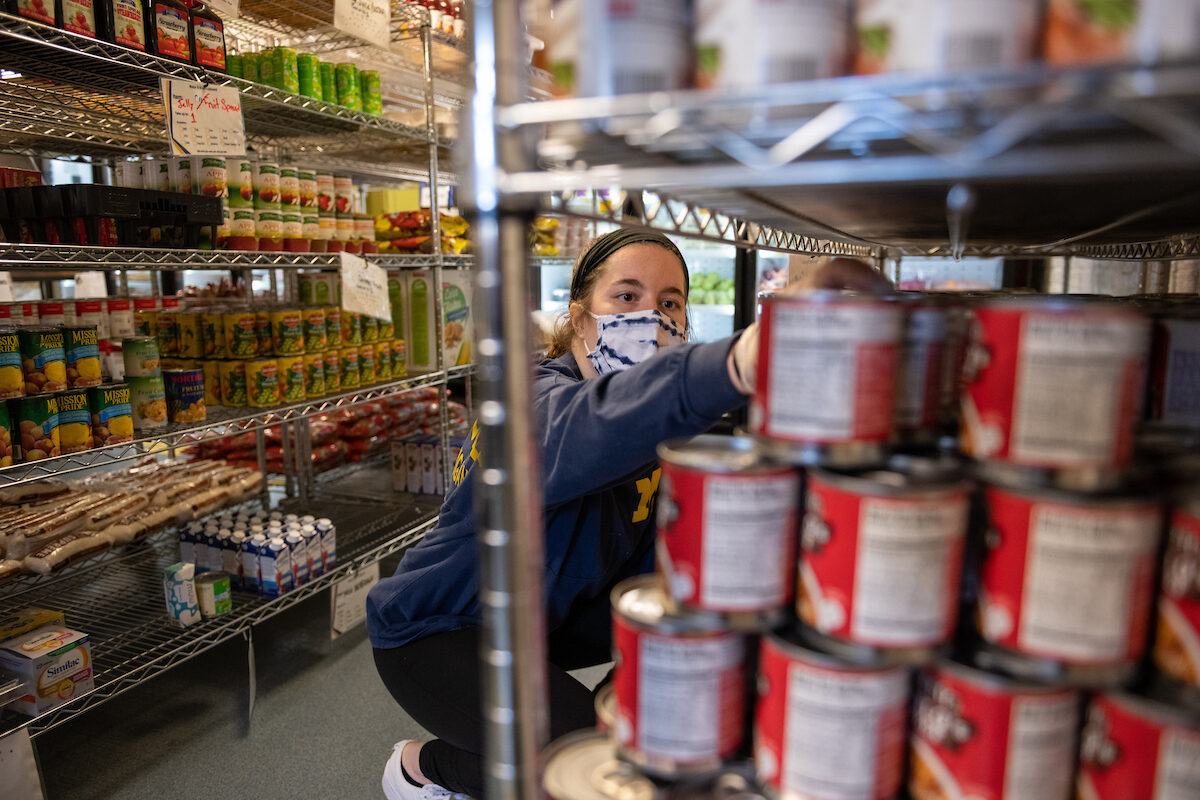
(37, 257)
(118, 602)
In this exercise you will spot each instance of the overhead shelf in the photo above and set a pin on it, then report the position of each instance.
(44, 256)
(1041, 161)
(118, 600)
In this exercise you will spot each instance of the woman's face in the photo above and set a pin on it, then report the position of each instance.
(639, 277)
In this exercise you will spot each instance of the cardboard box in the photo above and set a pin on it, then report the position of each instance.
(55, 665)
(420, 335)
(15, 623)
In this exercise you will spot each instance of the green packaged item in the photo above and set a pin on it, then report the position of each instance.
(287, 69)
(309, 70)
(269, 67)
(250, 65)
(348, 91)
(371, 92)
(328, 82)
(233, 65)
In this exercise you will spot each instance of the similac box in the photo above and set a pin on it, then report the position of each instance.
(420, 334)
(55, 665)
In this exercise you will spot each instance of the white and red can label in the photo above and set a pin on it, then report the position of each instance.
(53, 313)
(881, 570)
(1069, 581)
(990, 741)
(827, 370)
(120, 318)
(680, 697)
(1053, 388)
(1128, 754)
(91, 312)
(823, 732)
(919, 382)
(1177, 640)
(1174, 385)
(726, 542)
(24, 314)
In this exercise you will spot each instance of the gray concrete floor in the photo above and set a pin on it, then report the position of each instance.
(323, 724)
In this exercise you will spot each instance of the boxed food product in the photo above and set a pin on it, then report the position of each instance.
(420, 335)
(55, 665)
(17, 622)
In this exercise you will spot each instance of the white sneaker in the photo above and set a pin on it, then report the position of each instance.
(397, 787)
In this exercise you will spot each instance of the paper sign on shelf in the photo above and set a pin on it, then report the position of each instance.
(369, 20)
(225, 9)
(18, 767)
(348, 600)
(203, 120)
(90, 284)
(364, 288)
(6, 293)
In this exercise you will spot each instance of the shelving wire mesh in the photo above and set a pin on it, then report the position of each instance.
(119, 603)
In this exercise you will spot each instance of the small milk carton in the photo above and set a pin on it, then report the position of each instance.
(179, 583)
(55, 665)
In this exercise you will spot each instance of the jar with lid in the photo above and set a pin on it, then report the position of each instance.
(208, 37)
(125, 22)
(171, 24)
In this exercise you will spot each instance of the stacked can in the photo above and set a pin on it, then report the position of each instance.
(289, 199)
(326, 213)
(143, 373)
(343, 204)
(268, 213)
(243, 230)
(349, 90)
(309, 213)
(371, 93)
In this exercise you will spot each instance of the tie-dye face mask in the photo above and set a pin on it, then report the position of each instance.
(627, 339)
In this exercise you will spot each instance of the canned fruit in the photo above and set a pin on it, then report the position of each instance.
(111, 413)
(333, 371)
(37, 419)
(148, 399)
(212, 334)
(314, 330)
(209, 176)
(314, 375)
(185, 395)
(262, 383)
(212, 382)
(287, 331)
(348, 370)
(1177, 641)
(241, 335)
(82, 348)
(141, 357)
(145, 321)
(167, 333)
(265, 180)
(74, 421)
(6, 442)
(289, 188)
(12, 378)
(43, 360)
(290, 370)
(233, 383)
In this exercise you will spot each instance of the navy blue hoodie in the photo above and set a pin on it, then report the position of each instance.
(600, 477)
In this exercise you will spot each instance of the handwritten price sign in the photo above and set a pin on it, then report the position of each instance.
(369, 20)
(203, 120)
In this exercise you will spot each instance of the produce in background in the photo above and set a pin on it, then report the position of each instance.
(407, 232)
(543, 237)
(709, 288)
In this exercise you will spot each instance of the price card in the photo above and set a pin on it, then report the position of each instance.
(90, 284)
(225, 9)
(348, 600)
(369, 20)
(18, 767)
(203, 120)
(364, 288)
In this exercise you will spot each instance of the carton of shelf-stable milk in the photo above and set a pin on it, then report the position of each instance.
(55, 665)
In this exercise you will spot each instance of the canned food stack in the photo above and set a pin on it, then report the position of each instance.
(966, 631)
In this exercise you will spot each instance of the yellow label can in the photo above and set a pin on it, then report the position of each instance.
(191, 343)
(262, 383)
(366, 364)
(74, 421)
(383, 361)
(241, 336)
(291, 378)
(212, 334)
(233, 383)
(212, 383)
(348, 368)
(315, 339)
(314, 375)
(333, 371)
(287, 331)
(399, 360)
(12, 380)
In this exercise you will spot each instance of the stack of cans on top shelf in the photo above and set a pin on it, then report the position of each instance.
(932, 570)
(270, 553)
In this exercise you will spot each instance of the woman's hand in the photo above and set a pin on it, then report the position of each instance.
(840, 273)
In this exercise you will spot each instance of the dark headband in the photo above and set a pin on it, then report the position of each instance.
(603, 247)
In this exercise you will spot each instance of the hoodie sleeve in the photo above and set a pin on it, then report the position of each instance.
(598, 430)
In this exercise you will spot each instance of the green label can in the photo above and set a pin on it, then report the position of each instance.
(348, 373)
(315, 340)
(191, 343)
(314, 375)
(289, 189)
(308, 189)
(12, 379)
(370, 329)
(148, 399)
(309, 70)
(141, 356)
(241, 184)
(168, 333)
(366, 364)
(291, 378)
(262, 383)
(212, 383)
(387, 330)
(6, 440)
(399, 358)
(81, 346)
(265, 183)
(234, 65)
(213, 594)
(37, 419)
(422, 323)
(241, 335)
(333, 325)
(262, 331)
(371, 91)
(112, 415)
(352, 330)
(383, 360)
(250, 67)
(74, 421)
(288, 66)
(185, 395)
(333, 370)
(43, 359)
(346, 81)
(233, 383)
(328, 82)
(212, 334)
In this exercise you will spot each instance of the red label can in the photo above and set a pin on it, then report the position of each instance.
(678, 680)
(1068, 577)
(919, 382)
(1053, 384)
(827, 368)
(881, 561)
(826, 730)
(981, 736)
(1136, 749)
(1177, 641)
(726, 528)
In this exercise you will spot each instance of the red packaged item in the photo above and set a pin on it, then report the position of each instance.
(1177, 640)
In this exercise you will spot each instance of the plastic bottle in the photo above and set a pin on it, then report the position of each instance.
(171, 24)
(208, 37)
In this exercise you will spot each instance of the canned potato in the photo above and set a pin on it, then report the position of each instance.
(148, 399)
(140, 354)
(82, 348)
(366, 364)
(315, 340)
(38, 420)
(12, 380)
(233, 383)
(74, 421)
(185, 395)
(333, 371)
(112, 415)
(241, 336)
(42, 359)
(212, 382)
(262, 383)
(348, 371)
(291, 378)
(212, 334)
(314, 375)
(6, 445)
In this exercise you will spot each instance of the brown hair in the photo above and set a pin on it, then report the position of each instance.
(587, 271)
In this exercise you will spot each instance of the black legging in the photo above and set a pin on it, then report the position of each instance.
(437, 681)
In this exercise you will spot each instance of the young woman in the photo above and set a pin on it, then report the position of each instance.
(619, 378)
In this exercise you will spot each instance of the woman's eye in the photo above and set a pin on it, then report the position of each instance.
(671, 304)
(626, 297)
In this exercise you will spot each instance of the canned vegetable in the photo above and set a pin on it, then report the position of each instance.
(262, 383)
(333, 371)
(43, 360)
(290, 370)
(12, 379)
(111, 413)
(348, 370)
(241, 334)
(148, 399)
(37, 419)
(314, 330)
(314, 375)
(366, 365)
(74, 421)
(383, 361)
(287, 331)
(233, 383)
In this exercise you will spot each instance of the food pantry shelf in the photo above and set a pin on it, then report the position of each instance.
(1040, 161)
(119, 601)
(222, 421)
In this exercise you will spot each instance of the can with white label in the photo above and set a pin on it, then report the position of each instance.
(1067, 585)
(919, 375)
(987, 737)
(726, 529)
(1177, 635)
(826, 381)
(1138, 749)
(583, 766)
(881, 557)
(825, 729)
(633, 46)
(679, 683)
(1053, 388)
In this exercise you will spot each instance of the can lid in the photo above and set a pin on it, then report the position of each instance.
(641, 601)
(993, 680)
(1155, 711)
(797, 645)
(718, 454)
(902, 477)
(583, 766)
